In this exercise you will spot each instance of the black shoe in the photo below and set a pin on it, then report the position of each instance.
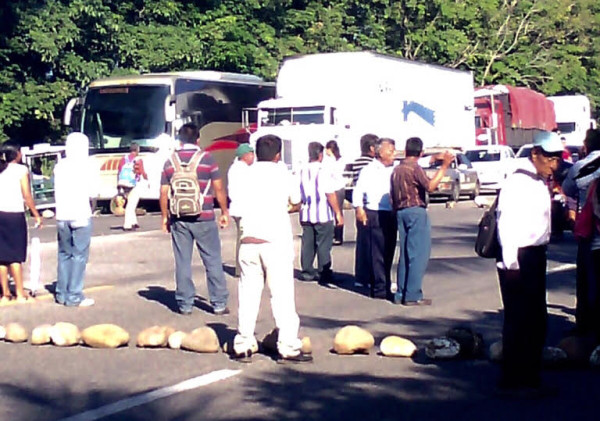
(301, 357)
(244, 357)
(221, 311)
(421, 302)
(185, 311)
(337, 242)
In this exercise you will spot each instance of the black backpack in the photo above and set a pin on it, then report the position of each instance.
(487, 244)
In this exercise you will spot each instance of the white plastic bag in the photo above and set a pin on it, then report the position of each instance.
(35, 265)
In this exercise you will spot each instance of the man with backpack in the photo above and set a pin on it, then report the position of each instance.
(188, 181)
(523, 216)
(130, 175)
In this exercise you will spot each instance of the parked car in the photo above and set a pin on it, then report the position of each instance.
(460, 178)
(493, 164)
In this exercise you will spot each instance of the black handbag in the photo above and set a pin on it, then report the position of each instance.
(486, 244)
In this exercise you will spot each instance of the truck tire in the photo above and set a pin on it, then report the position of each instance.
(455, 196)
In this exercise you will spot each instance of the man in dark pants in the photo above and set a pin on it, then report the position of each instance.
(317, 214)
(523, 232)
(374, 212)
(587, 305)
(362, 254)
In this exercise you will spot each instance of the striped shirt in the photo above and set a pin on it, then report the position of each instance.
(315, 183)
(207, 170)
(352, 170)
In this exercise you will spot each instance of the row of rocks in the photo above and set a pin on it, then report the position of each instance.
(457, 343)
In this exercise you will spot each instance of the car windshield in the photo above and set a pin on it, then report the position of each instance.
(482, 155)
(427, 162)
(114, 117)
(524, 152)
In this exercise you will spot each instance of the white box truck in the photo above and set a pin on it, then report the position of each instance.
(342, 96)
(573, 117)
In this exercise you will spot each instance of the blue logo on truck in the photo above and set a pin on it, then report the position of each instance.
(422, 111)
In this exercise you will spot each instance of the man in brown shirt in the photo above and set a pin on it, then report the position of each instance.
(408, 190)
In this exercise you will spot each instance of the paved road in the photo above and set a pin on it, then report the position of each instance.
(131, 277)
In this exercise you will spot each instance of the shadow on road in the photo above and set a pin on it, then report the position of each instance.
(166, 297)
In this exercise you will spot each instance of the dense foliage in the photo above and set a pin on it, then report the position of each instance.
(50, 49)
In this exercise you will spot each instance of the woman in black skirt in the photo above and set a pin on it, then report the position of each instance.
(14, 191)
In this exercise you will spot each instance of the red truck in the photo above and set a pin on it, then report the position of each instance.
(508, 115)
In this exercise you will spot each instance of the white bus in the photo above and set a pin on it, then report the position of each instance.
(149, 109)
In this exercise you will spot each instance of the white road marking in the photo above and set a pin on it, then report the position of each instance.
(562, 268)
(144, 398)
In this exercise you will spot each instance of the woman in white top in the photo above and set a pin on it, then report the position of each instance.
(14, 191)
(335, 164)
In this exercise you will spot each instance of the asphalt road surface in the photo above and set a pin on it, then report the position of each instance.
(130, 275)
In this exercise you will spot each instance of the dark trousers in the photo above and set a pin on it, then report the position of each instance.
(587, 310)
(363, 272)
(317, 240)
(338, 230)
(380, 235)
(525, 318)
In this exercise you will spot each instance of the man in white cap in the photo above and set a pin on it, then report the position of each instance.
(235, 180)
(523, 232)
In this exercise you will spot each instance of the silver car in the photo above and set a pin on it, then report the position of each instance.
(460, 178)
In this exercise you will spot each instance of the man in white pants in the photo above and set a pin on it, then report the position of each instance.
(267, 253)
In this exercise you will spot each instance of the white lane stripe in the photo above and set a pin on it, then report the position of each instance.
(144, 398)
(562, 268)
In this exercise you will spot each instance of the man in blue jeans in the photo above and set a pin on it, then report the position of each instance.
(200, 229)
(75, 182)
(408, 190)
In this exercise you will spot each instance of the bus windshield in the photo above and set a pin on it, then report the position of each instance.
(114, 117)
(296, 115)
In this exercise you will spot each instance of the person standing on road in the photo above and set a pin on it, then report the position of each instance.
(523, 216)
(587, 307)
(131, 175)
(362, 255)
(319, 210)
(201, 228)
(75, 183)
(267, 253)
(374, 212)
(409, 187)
(333, 160)
(236, 180)
(15, 190)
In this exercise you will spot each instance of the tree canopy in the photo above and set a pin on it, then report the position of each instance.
(51, 49)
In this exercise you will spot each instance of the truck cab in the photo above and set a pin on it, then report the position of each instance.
(298, 123)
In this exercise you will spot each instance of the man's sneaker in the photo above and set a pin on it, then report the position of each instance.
(221, 311)
(301, 357)
(87, 302)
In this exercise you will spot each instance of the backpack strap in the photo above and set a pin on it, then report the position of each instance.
(176, 161)
(533, 175)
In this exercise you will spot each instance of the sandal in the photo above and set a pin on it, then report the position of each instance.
(24, 299)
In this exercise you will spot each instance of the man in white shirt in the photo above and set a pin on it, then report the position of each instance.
(235, 181)
(74, 184)
(373, 205)
(319, 210)
(267, 253)
(523, 215)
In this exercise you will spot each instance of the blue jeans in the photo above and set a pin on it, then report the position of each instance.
(206, 236)
(73, 251)
(414, 231)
